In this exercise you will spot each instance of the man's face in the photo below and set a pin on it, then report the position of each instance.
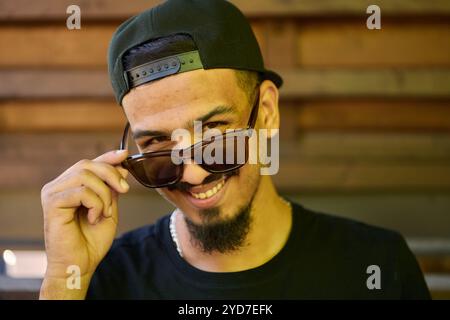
(214, 97)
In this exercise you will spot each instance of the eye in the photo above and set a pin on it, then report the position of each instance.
(154, 141)
(215, 124)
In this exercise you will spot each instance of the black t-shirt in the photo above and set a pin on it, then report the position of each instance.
(325, 257)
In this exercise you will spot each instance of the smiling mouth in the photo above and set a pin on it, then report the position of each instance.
(208, 195)
(210, 192)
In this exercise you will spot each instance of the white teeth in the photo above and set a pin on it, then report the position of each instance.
(209, 193)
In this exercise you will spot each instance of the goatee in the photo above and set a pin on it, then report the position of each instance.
(223, 236)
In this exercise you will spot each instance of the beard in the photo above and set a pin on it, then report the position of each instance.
(223, 236)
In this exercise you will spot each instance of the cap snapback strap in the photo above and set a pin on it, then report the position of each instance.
(161, 68)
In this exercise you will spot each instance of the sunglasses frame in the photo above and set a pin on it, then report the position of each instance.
(127, 163)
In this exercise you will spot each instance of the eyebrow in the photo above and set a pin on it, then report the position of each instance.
(219, 110)
(148, 133)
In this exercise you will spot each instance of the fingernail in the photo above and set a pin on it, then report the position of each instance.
(124, 184)
(109, 212)
(97, 220)
(121, 151)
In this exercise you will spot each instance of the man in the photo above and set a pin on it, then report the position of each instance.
(231, 236)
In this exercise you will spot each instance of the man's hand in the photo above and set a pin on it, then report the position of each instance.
(80, 221)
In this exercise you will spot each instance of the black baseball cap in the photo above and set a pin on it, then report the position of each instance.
(221, 32)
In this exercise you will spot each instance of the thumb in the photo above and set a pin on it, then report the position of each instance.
(112, 157)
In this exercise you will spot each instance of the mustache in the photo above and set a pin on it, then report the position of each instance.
(186, 186)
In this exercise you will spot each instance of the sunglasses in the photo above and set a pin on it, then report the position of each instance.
(157, 169)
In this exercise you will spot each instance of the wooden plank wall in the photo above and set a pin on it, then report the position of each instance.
(365, 113)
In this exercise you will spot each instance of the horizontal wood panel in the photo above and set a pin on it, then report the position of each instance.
(279, 47)
(31, 160)
(352, 175)
(440, 294)
(66, 115)
(299, 84)
(383, 83)
(435, 264)
(340, 7)
(351, 44)
(340, 115)
(55, 45)
(417, 215)
(334, 43)
(370, 147)
(17, 84)
(116, 9)
(374, 115)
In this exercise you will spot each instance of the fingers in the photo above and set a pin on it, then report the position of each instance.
(115, 206)
(114, 157)
(81, 196)
(112, 176)
(87, 178)
(123, 172)
(102, 177)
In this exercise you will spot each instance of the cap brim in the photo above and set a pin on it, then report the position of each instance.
(273, 76)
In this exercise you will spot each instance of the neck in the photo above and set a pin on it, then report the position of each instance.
(269, 231)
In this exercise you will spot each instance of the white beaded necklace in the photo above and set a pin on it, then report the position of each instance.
(173, 230)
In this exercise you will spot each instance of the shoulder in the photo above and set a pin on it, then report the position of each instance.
(336, 229)
(349, 248)
(347, 243)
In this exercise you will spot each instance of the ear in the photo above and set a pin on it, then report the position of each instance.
(269, 115)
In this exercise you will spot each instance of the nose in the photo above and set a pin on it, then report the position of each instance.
(194, 174)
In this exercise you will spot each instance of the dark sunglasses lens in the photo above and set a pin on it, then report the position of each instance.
(155, 171)
(225, 154)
